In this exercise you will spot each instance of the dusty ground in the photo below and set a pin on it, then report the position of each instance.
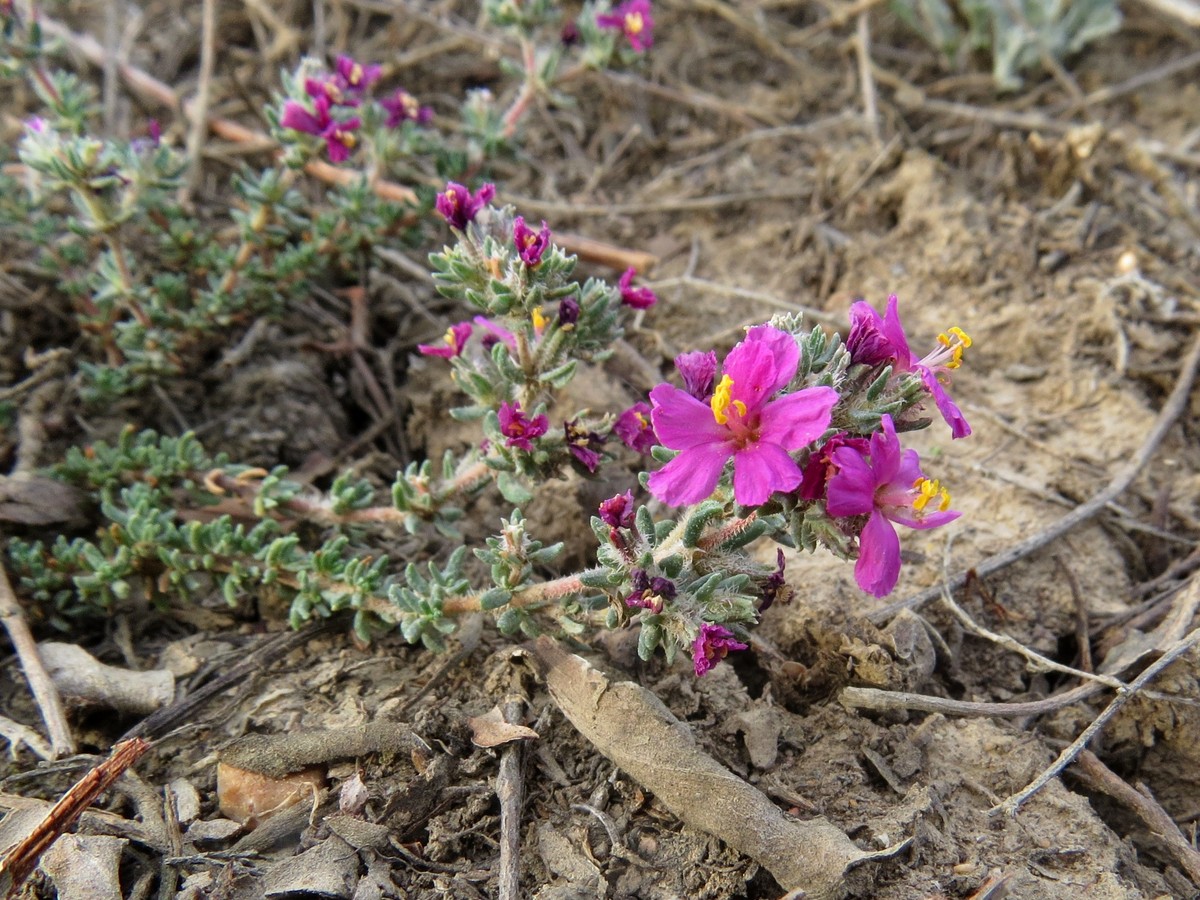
(1070, 254)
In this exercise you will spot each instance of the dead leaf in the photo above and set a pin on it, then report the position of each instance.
(490, 730)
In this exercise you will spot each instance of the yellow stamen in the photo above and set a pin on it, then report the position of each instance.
(956, 341)
(722, 400)
(450, 338)
(346, 139)
(356, 74)
(539, 321)
(634, 23)
(929, 490)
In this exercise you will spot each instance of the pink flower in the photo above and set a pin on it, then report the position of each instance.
(459, 206)
(711, 646)
(634, 429)
(618, 511)
(353, 76)
(455, 340)
(637, 297)
(403, 107)
(338, 135)
(887, 485)
(699, 370)
(649, 593)
(518, 428)
(495, 334)
(584, 445)
(876, 341)
(530, 244)
(741, 422)
(633, 19)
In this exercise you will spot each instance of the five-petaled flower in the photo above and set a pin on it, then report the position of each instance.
(518, 429)
(636, 297)
(459, 206)
(583, 444)
(633, 19)
(403, 107)
(635, 429)
(455, 340)
(338, 134)
(530, 244)
(711, 646)
(878, 340)
(741, 422)
(887, 485)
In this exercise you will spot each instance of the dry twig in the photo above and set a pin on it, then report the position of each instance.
(198, 128)
(510, 789)
(44, 692)
(1097, 776)
(21, 859)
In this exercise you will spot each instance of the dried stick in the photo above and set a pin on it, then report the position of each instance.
(866, 80)
(510, 789)
(44, 692)
(888, 701)
(198, 129)
(1068, 755)
(151, 90)
(1097, 776)
(20, 861)
(1172, 409)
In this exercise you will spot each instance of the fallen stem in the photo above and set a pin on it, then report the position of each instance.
(40, 683)
(1068, 755)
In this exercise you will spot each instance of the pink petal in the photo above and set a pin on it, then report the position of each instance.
(893, 330)
(878, 565)
(797, 419)
(851, 491)
(761, 365)
(691, 476)
(762, 469)
(681, 421)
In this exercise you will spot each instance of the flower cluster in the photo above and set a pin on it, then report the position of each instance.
(788, 426)
(329, 102)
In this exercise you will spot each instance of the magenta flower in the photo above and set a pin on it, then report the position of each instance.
(699, 370)
(518, 428)
(618, 511)
(637, 297)
(877, 340)
(455, 340)
(741, 422)
(496, 334)
(354, 78)
(403, 107)
(775, 585)
(530, 244)
(584, 445)
(887, 485)
(649, 593)
(568, 312)
(633, 19)
(338, 135)
(820, 468)
(635, 429)
(711, 646)
(459, 206)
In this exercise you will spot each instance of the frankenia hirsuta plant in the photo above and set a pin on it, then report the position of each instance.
(744, 421)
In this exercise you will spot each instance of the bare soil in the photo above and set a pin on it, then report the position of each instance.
(1063, 244)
